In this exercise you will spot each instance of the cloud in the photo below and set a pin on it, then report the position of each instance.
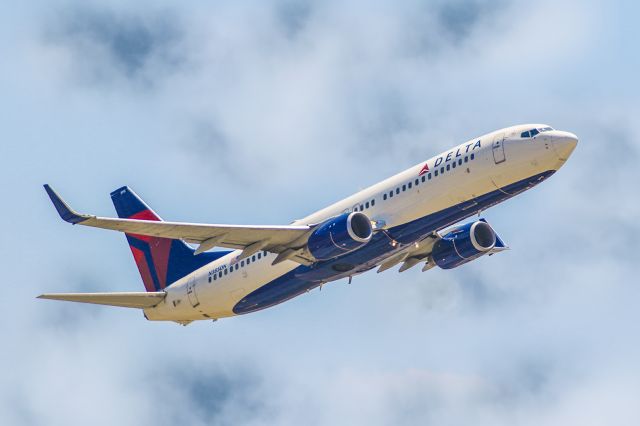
(107, 47)
(294, 16)
(263, 112)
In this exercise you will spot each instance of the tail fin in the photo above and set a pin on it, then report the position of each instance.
(161, 261)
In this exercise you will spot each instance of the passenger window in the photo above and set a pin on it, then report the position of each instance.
(429, 176)
(373, 203)
(466, 159)
(404, 188)
(417, 182)
(441, 170)
(259, 255)
(248, 261)
(242, 264)
(366, 205)
(384, 197)
(534, 132)
(435, 172)
(220, 274)
(361, 207)
(397, 191)
(454, 164)
(237, 266)
(209, 278)
(391, 194)
(473, 156)
(423, 178)
(225, 271)
(460, 162)
(409, 185)
(448, 167)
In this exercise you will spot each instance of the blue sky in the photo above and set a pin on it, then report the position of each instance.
(263, 112)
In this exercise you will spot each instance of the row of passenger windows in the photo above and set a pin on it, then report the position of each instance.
(428, 176)
(531, 133)
(364, 206)
(237, 266)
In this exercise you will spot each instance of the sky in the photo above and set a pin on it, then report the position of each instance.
(261, 112)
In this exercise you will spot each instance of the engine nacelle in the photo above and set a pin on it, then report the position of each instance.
(464, 244)
(340, 235)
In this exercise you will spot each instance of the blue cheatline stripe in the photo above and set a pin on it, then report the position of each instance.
(305, 278)
(144, 247)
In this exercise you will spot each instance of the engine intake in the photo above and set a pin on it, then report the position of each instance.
(464, 244)
(340, 235)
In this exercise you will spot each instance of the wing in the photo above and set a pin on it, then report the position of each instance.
(288, 240)
(412, 255)
(421, 251)
(125, 300)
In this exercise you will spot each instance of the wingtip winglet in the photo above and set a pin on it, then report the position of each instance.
(66, 213)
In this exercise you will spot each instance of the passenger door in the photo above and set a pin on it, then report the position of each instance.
(191, 291)
(498, 149)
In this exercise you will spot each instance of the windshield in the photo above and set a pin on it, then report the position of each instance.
(531, 133)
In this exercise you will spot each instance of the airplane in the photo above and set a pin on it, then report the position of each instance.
(408, 219)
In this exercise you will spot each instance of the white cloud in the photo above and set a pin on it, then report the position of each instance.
(263, 112)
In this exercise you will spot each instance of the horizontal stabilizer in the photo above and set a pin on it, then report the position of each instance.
(138, 300)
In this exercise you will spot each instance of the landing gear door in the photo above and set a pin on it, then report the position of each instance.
(498, 149)
(191, 291)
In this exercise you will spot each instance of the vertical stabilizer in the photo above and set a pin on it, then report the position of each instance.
(161, 261)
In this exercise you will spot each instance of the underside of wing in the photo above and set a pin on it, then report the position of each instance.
(249, 238)
(411, 255)
(448, 254)
(231, 236)
(138, 300)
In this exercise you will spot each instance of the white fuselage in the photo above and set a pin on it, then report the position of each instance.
(500, 158)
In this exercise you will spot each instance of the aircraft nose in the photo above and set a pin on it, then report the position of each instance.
(564, 143)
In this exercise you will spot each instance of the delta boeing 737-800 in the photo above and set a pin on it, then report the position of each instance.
(408, 219)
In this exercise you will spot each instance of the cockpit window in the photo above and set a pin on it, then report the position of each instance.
(531, 133)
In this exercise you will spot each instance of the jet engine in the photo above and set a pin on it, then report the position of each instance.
(340, 235)
(464, 244)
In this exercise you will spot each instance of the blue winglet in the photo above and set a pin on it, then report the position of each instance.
(66, 213)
